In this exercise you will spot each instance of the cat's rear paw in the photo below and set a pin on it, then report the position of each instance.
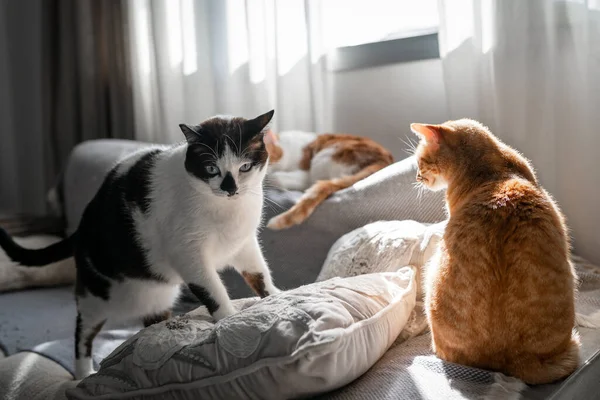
(276, 223)
(284, 221)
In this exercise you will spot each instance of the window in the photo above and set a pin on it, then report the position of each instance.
(355, 22)
(363, 33)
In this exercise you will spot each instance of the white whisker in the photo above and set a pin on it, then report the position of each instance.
(274, 203)
(240, 130)
(211, 149)
(269, 202)
(420, 190)
(237, 149)
(208, 154)
(411, 146)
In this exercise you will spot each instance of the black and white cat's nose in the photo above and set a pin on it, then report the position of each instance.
(228, 185)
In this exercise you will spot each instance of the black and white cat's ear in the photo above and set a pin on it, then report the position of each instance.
(259, 123)
(191, 132)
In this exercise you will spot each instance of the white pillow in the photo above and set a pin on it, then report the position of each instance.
(382, 246)
(386, 246)
(302, 342)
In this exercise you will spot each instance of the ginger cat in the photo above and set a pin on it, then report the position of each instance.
(500, 291)
(321, 165)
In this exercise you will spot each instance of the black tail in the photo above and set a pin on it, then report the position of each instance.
(36, 257)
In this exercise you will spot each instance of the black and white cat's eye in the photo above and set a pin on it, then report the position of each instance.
(246, 167)
(212, 169)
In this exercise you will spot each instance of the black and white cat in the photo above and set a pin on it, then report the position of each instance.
(163, 217)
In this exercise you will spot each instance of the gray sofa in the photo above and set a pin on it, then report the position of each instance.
(36, 326)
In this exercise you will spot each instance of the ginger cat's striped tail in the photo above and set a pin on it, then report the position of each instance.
(318, 193)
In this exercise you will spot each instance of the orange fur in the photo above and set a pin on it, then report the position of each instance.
(318, 193)
(274, 150)
(366, 155)
(350, 149)
(500, 292)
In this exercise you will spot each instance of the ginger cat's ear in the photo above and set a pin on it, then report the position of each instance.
(271, 137)
(431, 133)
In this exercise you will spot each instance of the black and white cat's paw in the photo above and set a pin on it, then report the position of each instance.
(273, 290)
(223, 312)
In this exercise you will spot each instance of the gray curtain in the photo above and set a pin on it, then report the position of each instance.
(65, 79)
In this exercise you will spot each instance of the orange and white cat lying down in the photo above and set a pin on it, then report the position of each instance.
(320, 165)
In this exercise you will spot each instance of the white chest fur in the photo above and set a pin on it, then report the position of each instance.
(210, 233)
(234, 220)
(186, 221)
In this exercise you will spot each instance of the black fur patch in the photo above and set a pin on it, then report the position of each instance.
(89, 339)
(107, 248)
(228, 185)
(77, 334)
(204, 296)
(138, 179)
(89, 279)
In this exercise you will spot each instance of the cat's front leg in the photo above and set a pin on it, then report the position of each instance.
(205, 283)
(251, 264)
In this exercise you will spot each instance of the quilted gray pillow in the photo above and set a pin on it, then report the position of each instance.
(298, 343)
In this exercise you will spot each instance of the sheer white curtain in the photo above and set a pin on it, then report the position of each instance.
(531, 71)
(195, 58)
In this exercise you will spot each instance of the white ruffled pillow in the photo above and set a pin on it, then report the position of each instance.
(298, 343)
(386, 246)
(382, 246)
